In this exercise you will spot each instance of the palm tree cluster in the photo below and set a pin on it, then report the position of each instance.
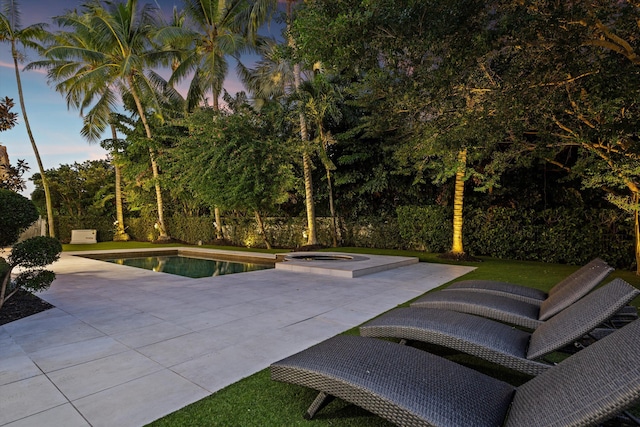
(107, 54)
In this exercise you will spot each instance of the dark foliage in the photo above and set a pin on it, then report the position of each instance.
(16, 213)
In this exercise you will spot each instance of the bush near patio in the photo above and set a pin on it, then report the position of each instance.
(558, 235)
(31, 255)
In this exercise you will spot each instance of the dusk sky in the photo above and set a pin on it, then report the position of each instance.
(57, 130)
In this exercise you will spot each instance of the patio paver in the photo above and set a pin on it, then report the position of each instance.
(126, 346)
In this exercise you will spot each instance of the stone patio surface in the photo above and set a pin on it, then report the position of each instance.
(126, 346)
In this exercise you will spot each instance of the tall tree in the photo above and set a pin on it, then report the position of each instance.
(120, 234)
(319, 98)
(312, 238)
(280, 73)
(237, 160)
(12, 32)
(417, 76)
(215, 31)
(571, 79)
(81, 88)
(108, 50)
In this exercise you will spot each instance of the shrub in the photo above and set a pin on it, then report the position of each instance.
(16, 214)
(30, 256)
(559, 235)
(191, 229)
(372, 232)
(427, 228)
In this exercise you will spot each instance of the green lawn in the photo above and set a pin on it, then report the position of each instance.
(258, 401)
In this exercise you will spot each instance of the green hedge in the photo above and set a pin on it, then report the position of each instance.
(426, 228)
(373, 232)
(560, 235)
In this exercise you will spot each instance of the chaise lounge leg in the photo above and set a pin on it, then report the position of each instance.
(321, 400)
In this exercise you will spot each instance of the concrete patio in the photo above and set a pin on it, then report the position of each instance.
(125, 346)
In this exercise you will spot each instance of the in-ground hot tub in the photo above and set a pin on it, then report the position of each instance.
(309, 257)
(341, 264)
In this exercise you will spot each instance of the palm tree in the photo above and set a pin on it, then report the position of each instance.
(319, 102)
(120, 234)
(81, 89)
(107, 52)
(274, 77)
(11, 32)
(219, 29)
(312, 238)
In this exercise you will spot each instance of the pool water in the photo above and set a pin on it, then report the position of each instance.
(189, 267)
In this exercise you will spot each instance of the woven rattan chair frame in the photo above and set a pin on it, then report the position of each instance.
(500, 343)
(495, 307)
(594, 269)
(513, 311)
(411, 387)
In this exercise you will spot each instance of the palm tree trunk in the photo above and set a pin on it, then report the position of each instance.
(636, 222)
(154, 165)
(262, 230)
(312, 238)
(121, 235)
(156, 177)
(458, 200)
(334, 233)
(216, 210)
(45, 183)
(304, 136)
(219, 232)
(308, 191)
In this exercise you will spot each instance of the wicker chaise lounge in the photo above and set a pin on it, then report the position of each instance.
(515, 311)
(596, 270)
(500, 343)
(411, 387)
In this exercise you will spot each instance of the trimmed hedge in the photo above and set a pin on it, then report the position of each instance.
(426, 228)
(560, 235)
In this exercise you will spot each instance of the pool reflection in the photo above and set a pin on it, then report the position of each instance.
(190, 267)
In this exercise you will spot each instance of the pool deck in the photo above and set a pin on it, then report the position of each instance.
(126, 346)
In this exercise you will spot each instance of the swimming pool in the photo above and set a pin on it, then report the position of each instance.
(194, 268)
